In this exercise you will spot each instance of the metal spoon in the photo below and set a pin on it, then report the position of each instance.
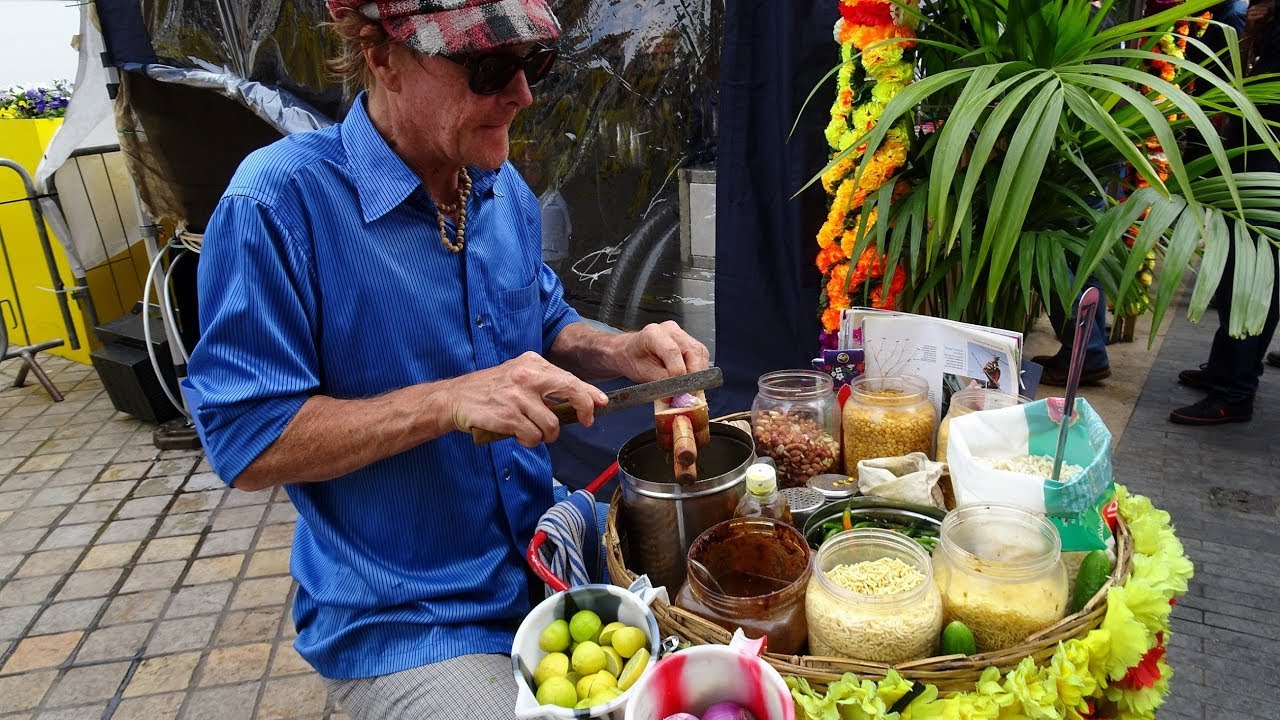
(707, 578)
(1085, 312)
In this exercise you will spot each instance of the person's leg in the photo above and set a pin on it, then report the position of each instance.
(471, 687)
(1097, 365)
(1235, 364)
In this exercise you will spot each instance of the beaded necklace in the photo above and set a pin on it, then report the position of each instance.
(460, 208)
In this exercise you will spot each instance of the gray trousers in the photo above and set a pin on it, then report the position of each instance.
(471, 687)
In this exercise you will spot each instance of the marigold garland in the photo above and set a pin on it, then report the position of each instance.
(1172, 44)
(1119, 665)
(860, 101)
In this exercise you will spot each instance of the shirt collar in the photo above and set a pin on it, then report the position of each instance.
(382, 179)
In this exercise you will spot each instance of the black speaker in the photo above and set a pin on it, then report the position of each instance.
(126, 370)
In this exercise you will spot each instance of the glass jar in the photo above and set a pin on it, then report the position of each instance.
(1000, 571)
(887, 417)
(972, 400)
(889, 627)
(750, 573)
(795, 421)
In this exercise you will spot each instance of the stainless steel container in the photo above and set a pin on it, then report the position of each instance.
(662, 518)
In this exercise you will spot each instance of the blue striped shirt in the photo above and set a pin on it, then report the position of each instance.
(323, 273)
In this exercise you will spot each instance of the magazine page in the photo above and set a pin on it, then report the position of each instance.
(950, 356)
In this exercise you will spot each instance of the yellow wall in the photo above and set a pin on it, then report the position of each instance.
(24, 141)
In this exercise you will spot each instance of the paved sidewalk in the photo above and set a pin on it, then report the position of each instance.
(1222, 486)
(133, 584)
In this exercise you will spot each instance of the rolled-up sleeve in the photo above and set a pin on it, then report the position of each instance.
(256, 362)
(556, 313)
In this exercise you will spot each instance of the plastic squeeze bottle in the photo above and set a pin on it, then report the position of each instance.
(762, 498)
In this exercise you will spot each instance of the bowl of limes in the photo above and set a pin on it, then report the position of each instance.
(584, 649)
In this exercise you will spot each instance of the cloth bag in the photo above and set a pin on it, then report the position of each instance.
(1074, 506)
(911, 478)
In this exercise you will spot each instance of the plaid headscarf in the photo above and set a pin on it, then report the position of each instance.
(457, 27)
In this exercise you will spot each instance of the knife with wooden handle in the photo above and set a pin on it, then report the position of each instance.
(624, 398)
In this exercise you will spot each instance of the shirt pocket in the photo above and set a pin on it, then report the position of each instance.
(521, 319)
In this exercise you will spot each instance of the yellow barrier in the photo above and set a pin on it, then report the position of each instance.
(24, 141)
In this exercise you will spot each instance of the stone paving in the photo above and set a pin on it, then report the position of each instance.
(133, 583)
(1221, 485)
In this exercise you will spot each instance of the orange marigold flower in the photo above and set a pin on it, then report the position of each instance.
(828, 256)
(831, 319)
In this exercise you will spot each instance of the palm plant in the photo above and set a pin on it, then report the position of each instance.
(1040, 111)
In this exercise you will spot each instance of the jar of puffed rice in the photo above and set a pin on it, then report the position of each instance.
(968, 401)
(1000, 570)
(887, 417)
(872, 597)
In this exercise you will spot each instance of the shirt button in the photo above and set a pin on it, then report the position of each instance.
(480, 321)
(506, 474)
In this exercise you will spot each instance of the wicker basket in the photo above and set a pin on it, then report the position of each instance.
(951, 673)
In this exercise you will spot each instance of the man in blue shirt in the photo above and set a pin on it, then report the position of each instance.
(371, 292)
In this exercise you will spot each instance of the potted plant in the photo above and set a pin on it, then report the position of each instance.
(1037, 110)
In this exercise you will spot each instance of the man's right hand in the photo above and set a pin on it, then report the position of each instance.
(510, 399)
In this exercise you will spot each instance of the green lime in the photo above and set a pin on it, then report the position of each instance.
(634, 669)
(588, 659)
(1094, 572)
(557, 691)
(552, 665)
(584, 686)
(613, 662)
(600, 682)
(554, 637)
(957, 639)
(628, 640)
(585, 625)
(606, 633)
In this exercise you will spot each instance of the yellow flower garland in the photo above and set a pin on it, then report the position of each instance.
(1081, 673)
(863, 26)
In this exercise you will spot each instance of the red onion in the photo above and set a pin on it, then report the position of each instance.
(683, 400)
(681, 716)
(728, 711)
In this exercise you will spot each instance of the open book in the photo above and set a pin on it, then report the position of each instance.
(949, 355)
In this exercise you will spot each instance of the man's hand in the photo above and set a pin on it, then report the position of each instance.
(509, 399)
(659, 351)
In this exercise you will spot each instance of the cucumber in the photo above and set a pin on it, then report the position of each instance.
(957, 639)
(1093, 574)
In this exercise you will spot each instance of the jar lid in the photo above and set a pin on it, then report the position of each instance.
(761, 479)
(834, 486)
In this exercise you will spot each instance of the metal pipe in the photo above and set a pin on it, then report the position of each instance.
(13, 282)
(73, 337)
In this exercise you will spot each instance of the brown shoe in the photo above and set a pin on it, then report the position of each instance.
(1273, 358)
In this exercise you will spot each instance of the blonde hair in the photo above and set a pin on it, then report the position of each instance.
(355, 34)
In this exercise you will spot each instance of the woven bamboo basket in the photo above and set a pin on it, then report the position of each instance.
(950, 673)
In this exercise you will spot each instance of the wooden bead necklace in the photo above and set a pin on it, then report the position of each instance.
(459, 208)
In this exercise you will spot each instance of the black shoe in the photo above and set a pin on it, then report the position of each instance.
(1056, 375)
(1213, 411)
(1273, 358)
(1198, 379)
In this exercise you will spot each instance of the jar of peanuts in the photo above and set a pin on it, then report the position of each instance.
(887, 416)
(795, 421)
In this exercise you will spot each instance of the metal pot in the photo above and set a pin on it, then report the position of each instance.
(663, 518)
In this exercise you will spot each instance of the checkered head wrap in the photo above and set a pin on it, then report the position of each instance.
(457, 27)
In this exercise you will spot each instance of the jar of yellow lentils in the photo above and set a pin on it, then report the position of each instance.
(887, 416)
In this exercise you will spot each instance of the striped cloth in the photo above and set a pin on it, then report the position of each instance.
(573, 548)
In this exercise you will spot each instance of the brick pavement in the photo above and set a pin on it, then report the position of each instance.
(133, 584)
(1222, 487)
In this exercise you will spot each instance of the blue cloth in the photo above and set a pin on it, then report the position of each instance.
(574, 548)
(323, 273)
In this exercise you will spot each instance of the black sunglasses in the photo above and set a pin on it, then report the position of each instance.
(492, 72)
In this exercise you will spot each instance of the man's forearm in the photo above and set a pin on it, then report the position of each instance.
(586, 352)
(329, 437)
